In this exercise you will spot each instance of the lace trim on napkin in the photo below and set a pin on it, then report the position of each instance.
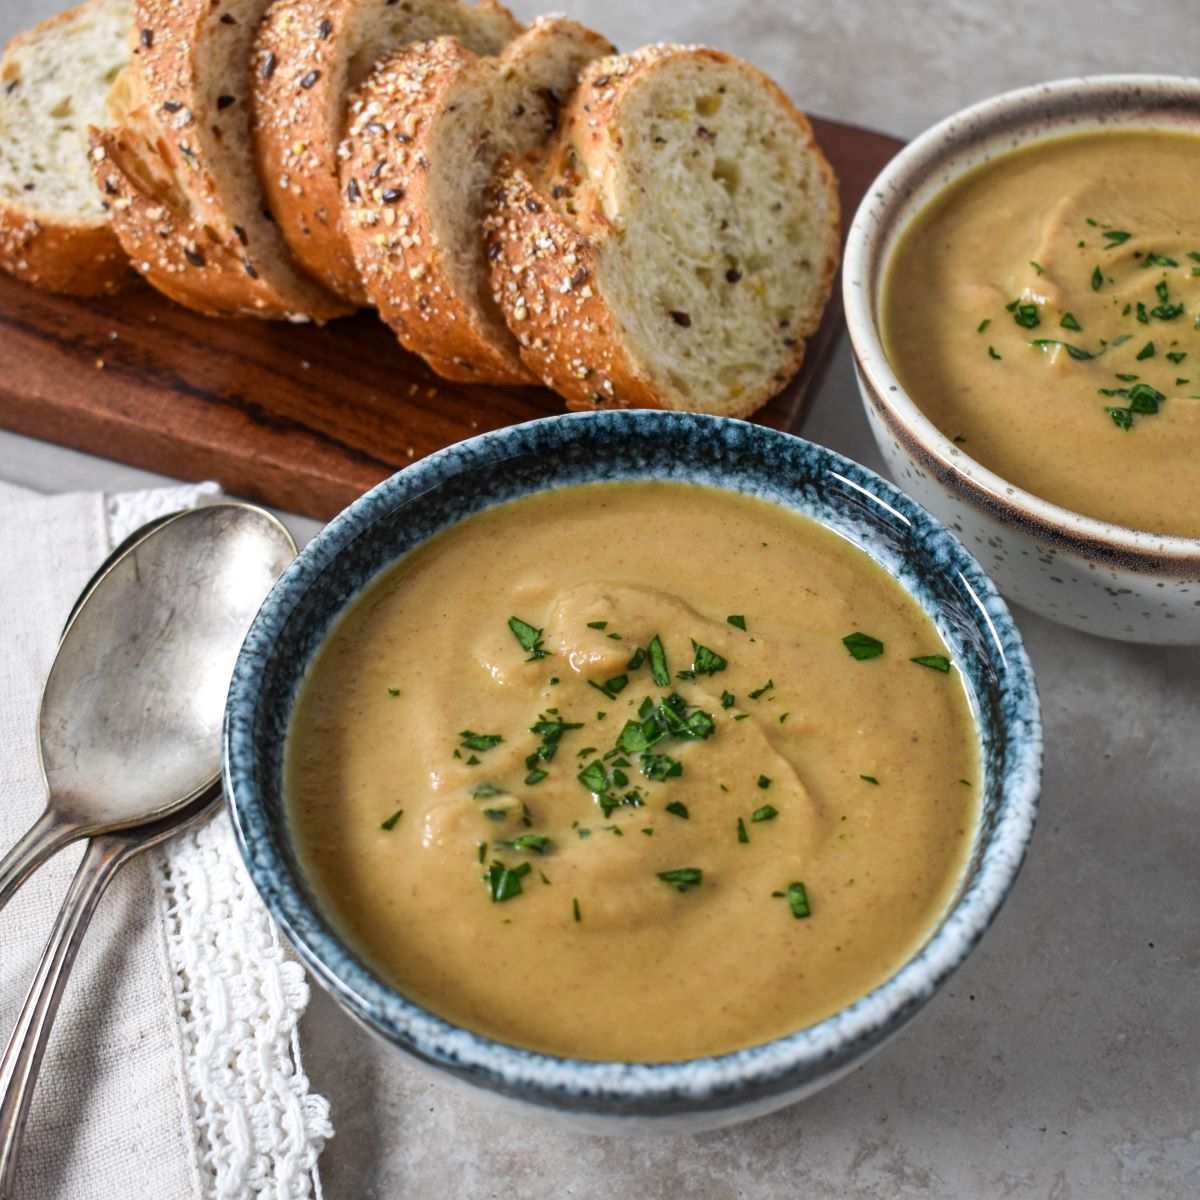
(258, 1128)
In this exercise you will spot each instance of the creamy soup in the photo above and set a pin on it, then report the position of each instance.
(1043, 312)
(634, 771)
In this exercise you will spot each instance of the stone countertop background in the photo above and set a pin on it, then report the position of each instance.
(1063, 1061)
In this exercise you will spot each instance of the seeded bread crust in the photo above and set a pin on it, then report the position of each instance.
(551, 233)
(75, 252)
(197, 233)
(309, 55)
(421, 121)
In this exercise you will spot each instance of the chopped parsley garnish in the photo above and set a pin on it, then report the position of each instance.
(529, 637)
(1121, 417)
(682, 877)
(613, 687)
(797, 898)
(1116, 237)
(575, 909)
(936, 662)
(983, 324)
(636, 659)
(862, 645)
(528, 841)
(597, 624)
(393, 820)
(550, 728)
(1147, 351)
(473, 761)
(658, 663)
(992, 353)
(1159, 260)
(727, 699)
(482, 851)
(393, 691)
(606, 785)
(670, 717)
(1037, 267)
(1069, 321)
(737, 621)
(660, 766)
(1175, 356)
(768, 812)
(869, 779)
(704, 662)
(1076, 352)
(679, 809)
(1142, 315)
(1026, 315)
(742, 836)
(1097, 279)
(478, 741)
(758, 693)
(503, 883)
(764, 782)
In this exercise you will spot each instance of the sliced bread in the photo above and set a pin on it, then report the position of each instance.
(54, 227)
(178, 161)
(679, 244)
(309, 55)
(424, 134)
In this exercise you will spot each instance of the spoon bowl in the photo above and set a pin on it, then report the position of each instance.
(131, 715)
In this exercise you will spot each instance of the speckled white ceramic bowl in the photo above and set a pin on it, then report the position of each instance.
(1102, 578)
(411, 507)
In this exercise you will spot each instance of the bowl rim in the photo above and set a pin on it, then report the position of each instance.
(796, 1061)
(1050, 110)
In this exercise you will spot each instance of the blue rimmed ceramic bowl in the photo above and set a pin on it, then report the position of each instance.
(405, 511)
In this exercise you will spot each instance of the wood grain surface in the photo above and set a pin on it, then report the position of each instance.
(298, 417)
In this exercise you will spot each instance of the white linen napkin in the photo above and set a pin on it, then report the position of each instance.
(173, 1070)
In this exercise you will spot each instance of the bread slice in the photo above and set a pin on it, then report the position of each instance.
(54, 229)
(680, 243)
(424, 135)
(178, 161)
(308, 58)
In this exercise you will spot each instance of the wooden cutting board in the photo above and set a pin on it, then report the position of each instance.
(294, 416)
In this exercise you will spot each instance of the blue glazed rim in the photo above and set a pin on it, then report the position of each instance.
(405, 510)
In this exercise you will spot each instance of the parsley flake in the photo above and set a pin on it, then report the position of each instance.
(742, 836)
(737, 621)
(768, 812)
(758, 693)
(862, 646)
(503, 883)
(797, 898)
(869, 779)
(679, 809)
(764, 782)
(478, 741)
(529, 637)
(682, 877)
(658, 663)
(935, 662)
(393, 820)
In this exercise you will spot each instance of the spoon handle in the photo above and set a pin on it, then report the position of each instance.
(23, 1055)
(47, 835)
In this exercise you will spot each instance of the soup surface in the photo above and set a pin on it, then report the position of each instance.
(1043, 313)
(635, 771)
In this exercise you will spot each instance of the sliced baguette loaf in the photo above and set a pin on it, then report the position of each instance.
(188, 206)
(309, 54)
(680, 243)
(54, 227)
(424, 135)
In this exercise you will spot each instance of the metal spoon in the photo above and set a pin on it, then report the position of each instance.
(131, 714)
(146, 656)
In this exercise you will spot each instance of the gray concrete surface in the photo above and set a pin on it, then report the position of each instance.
(1063, 1062)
